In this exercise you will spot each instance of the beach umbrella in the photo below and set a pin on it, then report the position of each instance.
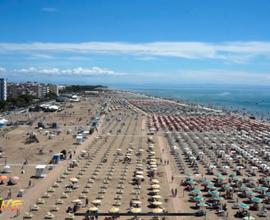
(218, 198)
(155, 186)
(256, 199)
(156, 196)
(221, 178)
(267, 194)
(198, 198)
(155, 181)
(249, 193)
(248, 218)
(96, 202)
(232, 175)
(157, 203)
(136, 202)
(213, 193)
(244, 205)
(157, 210)
(196, 191)
(114, 210)
(236, 178)
(136, 210)
(262, 188)
(190, 182)
(3, 178)
(139, 177)
(206, 182)
(202, 204)
(93, 209)
(15, 178)
(211, 187)
(74, 180)
(77, 201)
(244, 188)
(155, 190)
(267, 179)
(227, 186)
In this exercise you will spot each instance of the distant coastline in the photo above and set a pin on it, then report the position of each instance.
(252, 102)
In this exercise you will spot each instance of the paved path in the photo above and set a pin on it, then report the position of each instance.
(177, 202)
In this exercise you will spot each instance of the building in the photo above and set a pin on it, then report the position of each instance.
(54, 89)
(29, 88)
(3, 89)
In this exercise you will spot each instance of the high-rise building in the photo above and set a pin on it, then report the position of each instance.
(54, 89)
(3, 89)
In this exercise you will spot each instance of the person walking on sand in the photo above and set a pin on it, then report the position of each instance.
(9, 193)
(172, 192)
(86, 202)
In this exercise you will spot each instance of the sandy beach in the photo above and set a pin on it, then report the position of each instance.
(145, 156)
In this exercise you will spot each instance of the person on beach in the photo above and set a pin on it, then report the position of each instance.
(172, 178)
(9, 193)
(172, 192)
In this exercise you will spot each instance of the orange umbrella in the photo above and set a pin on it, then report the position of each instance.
(15, 178)
(3, 178)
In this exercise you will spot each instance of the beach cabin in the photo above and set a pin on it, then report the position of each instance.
(85, 133)
(79, 139)
(56, 158)
(6, 169)
(40, 171)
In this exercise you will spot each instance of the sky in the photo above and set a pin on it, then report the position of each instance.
(136, 42)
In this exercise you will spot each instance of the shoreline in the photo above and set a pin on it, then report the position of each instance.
(213, 107)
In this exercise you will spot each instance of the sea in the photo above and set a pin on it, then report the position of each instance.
(248, 100)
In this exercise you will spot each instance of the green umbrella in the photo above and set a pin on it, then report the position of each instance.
(262, 188)
(256, 199)
(236, 178)
(213, 193)
(198, 198)
(267, 194)
(218, 174)
(211, 187)
(196, 191)
(232, 175)
(249, 193)
(267, 179)
(191, 182)
(221, 178)
(202, 204)
(218, 198)
(244, 205)
(206, 182)
(227, 186)
(244, 188)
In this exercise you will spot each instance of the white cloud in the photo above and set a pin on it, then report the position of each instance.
(2, 69)
(224, 76)
(49, 9)
(228, 51)
(79, 71)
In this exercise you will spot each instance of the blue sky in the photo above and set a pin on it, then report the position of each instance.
(136, 42)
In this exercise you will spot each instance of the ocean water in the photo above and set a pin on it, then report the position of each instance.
(253, 100)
